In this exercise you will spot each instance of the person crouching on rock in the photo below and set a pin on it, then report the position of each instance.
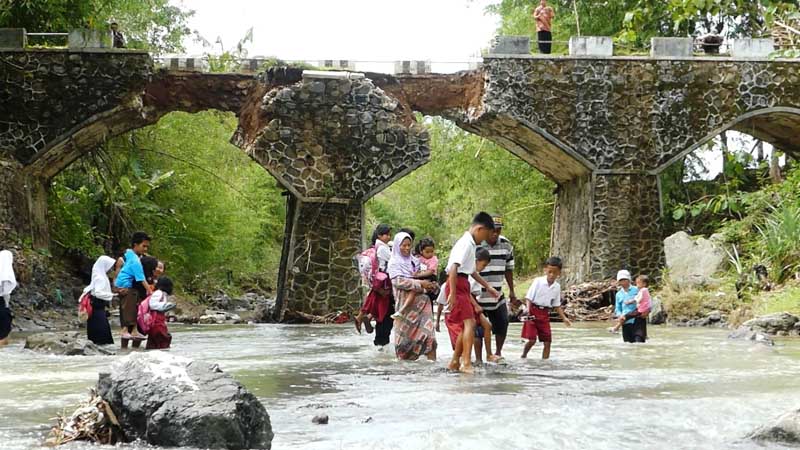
(132, 286)
(98, 329)
(8, 282)
(158, 336)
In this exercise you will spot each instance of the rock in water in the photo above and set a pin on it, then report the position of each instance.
(168, 400)
(658, 314)
(784, 430)
(67, 343)
(778, 323)
(321, 419)
(745, 333)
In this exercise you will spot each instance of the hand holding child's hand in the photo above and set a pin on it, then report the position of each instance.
(567, 322)
(478, 309)
(493, 292)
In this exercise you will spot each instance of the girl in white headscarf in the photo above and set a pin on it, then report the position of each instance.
(7, 284)
(97, 327)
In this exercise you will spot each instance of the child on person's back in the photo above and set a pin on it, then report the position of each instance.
(543, 295)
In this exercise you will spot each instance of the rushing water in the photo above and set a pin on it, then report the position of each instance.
(686, 388)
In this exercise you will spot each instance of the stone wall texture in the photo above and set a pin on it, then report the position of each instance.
(623, 120)
(46, 94)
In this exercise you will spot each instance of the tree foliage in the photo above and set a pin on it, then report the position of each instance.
(154, 25)
(468, 174)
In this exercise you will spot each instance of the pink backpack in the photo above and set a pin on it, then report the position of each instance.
(144, 318)
(368, 265)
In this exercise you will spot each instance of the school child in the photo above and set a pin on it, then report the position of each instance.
(98, 330)
(158, 336)
(379, 255)
(482, 259)
(637, 310)
(484, 327)
(8, 282)
(543, 295)
(460, 266)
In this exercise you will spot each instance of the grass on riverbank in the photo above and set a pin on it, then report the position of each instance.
(784, 298)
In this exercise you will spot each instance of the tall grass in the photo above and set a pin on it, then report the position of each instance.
(780, 233)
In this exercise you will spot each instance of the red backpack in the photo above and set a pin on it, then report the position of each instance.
(145, 318)
(85, 307)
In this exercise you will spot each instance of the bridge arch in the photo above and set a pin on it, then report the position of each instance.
(778, 125)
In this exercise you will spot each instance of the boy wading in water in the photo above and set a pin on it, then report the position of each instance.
(544, 294)
(460, 266)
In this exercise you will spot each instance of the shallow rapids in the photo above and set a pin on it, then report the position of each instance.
(685, 388)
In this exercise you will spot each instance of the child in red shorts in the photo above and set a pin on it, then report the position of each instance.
(460, 266)
(544, 294)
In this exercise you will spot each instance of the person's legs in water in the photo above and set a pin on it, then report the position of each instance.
(546, 350)
(459, 348)
(487, 339)
(499, 321)
(468, 337)
(528, 346)
(479, 335)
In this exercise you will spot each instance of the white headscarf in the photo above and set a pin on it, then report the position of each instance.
(7, 279)
(100, 287)
(399, 265)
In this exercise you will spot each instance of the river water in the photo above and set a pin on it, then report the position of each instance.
(686, 388)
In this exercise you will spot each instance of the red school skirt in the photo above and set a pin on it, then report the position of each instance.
(462, 310)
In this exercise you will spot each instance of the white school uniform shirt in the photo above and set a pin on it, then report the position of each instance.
(463, 254)
(542, 294)
(383, 252)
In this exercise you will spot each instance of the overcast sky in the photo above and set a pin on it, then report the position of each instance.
(437, 30)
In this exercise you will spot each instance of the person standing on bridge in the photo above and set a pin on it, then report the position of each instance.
(544, 15)
(117, 38)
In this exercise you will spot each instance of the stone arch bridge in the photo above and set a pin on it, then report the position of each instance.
(602, 128)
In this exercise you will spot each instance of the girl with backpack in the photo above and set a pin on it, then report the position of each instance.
(372, 265)
(153, 315)
(96, 297)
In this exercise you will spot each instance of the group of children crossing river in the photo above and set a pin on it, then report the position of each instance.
(403, 289)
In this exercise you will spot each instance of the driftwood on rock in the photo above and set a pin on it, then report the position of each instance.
(591, 301)
(93, 421)
(300, 317)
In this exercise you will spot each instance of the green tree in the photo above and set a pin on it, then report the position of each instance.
(467, 174)
(154, 25)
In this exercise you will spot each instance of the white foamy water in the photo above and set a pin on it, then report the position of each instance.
(686, 388)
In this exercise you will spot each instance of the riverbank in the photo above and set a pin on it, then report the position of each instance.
(683, 389)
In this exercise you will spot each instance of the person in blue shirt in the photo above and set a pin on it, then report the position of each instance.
(622, 306)
(132, 286)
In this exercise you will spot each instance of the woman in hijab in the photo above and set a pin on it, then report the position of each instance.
(7, 284)
(414, 330)
(97, 327)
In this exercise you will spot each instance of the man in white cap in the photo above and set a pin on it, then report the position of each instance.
(625, 292)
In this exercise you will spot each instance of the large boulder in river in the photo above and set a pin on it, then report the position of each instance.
(64, 343)
(783, 430)
(172, 401)
(746, 334)
(783, 324)
(658, 315)
(692, 262)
